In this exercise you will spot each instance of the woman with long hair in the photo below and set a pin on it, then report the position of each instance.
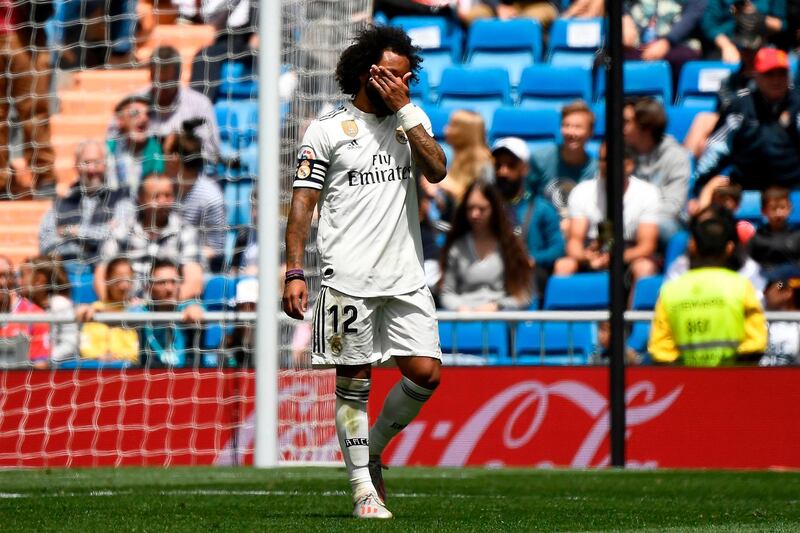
(472, 159)
(485, 265)
(45, 283)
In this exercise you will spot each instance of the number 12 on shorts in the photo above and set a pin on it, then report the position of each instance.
(350, 315)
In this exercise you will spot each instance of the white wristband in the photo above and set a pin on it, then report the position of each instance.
(409, 117)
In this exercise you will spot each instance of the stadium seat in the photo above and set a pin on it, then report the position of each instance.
(679, 120)
(750, 208)
(585, 291)
(439, 119)
(511, 44)
(489, 339)
(243, 202)
(641, 78)
(439, 40)
(231, 196)
(593, 146)
(238, 122)
(699, 83)
(555, 343)
(237, 82)
(420, 90)
(675, 248)
(574, 42)
(551, 87)
(218, 295)
(81, 280)
(480, 89)
(645, 295)
(537, 127)
(794, 216)
(91, 364)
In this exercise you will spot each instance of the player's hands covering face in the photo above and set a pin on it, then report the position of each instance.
(393, 90)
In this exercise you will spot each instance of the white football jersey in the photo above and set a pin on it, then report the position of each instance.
(368, 236)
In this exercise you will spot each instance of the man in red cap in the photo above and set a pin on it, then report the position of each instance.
(759, 144)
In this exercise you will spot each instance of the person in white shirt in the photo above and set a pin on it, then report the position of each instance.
(587, 211)
(359, 165)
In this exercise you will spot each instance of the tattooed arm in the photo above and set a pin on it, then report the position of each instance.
(295, 292)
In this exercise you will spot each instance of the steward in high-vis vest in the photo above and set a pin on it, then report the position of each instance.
(710, 316)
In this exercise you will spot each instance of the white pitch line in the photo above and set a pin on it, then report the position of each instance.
(222, 492)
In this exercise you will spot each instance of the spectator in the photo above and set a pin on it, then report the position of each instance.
(239, 344)
(706, 122)
(654, 30)
(760, 137)
(113, 44)
(25, 85)
(110, 342)
(555, 169)
(472, 160)
(739, 261)
(44, 282)
(236, 40)
(723, 18)
(781, 294)
(585, 9)
(157, 232)
(710, 316)
(533, 218)
(484, 264)
(174, 104)
(133, 152)
(543, 11)
(81, 220)
(586, 251)
(660, 160)
(245, 250)
(166, 344)
(20, 342)
(775, 244)
(200, 200)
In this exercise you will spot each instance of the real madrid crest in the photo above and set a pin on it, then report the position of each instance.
(400, 135)
(350, 128)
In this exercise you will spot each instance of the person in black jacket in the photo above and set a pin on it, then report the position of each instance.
(776, 244)
(760, 139)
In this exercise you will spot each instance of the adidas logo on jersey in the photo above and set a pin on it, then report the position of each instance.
(353, 145)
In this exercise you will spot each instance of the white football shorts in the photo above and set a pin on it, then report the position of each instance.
(350, 330)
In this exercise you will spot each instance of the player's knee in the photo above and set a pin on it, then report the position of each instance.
(427, 376)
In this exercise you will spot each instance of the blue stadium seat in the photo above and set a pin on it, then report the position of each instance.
(549, 86)
(794, 216)
(243, 203)
(699, 83)
(480, 89)
(679, 120)
(238, 122)
(641, 78)
(645, 295)
(218, 294)
(439, 39)
(750, 208)
(489, 339)
(81, 280)
(91, 364)
(237, 82)
(593, 146)
(420, 91)
(511, 44)
(537, 127)
(439, 119)
(248, 158)
(231, 196)
(555, 343)
(675, 248)
(585, 291)
(574, 42)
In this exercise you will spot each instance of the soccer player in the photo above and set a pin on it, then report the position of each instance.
(358, 164)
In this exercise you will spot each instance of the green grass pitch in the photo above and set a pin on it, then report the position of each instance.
(423, 499)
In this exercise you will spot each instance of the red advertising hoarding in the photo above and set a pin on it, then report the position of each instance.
(520, 416)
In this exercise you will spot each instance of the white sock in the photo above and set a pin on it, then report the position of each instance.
(401, 407)
(352, 428)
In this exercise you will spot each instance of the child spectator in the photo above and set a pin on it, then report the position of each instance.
(20, 342)
(110, 342)
(775, 244)
(45, 283)
(485, 265)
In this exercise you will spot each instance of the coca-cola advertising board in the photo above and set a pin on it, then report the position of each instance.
(515, 416)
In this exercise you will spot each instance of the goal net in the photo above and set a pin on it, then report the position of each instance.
(128, 272)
